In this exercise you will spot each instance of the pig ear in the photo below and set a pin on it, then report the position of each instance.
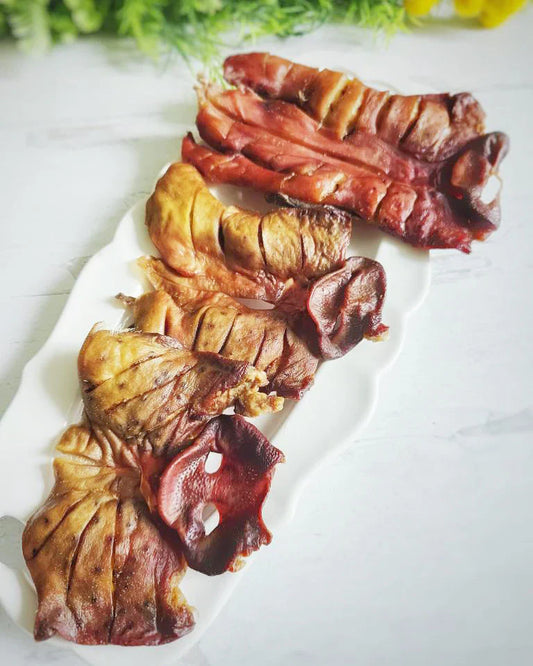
(343, 307)
(237, 490)
(105, 570)
(157, 396)
(468, 175)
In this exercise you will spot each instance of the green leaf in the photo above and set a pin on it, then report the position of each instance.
(143, 20)
(198, 30)
(3, 23)
(28, 22)
(88, 15)
(62, 26)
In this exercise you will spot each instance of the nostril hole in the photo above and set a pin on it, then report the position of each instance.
(210, 517)
(213, 462)
(221, 239)
(491, 189)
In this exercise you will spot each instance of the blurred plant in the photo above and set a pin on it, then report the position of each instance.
(198, 29)
(193, 28)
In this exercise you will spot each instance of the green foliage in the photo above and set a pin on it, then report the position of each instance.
(87, 15)
(196, 29)
(3, 22)
(28, 22)
(62, 25)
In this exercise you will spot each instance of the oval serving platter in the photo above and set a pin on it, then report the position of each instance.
(309, 432)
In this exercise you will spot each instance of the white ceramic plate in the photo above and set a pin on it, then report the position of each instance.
(322, 424)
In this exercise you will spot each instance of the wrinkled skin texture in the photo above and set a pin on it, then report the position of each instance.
(302, 310)
(430, 127)
(214, 322)
(237, 489)
(343, 307)
(156, 395)
(295, 252)
(276, 147)
(238, 251)
(104, 569)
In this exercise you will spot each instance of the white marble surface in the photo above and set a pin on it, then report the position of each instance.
(415, 546)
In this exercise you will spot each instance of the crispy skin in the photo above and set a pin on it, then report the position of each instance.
(237, 489)
(228, 118)
(104, 569)
(237, 251)
(156, 395)
(427, 204)
(430, 127)
(214, 322)
(420, 215)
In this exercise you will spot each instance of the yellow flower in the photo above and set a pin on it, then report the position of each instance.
(419, 7)
(468, 8)
(495, 12)
(490, 13)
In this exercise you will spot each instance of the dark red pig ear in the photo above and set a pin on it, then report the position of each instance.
(343, 307)
(468, 173)
(237, 489)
